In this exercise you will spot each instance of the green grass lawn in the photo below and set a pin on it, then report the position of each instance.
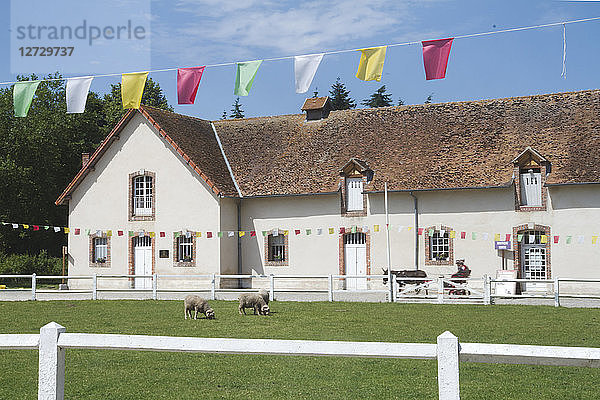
(104, 374)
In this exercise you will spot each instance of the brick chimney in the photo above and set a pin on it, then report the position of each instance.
(85, 158)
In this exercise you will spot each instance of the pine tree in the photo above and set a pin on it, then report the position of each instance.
(224, 116)
(429, 99)
(236, 111)
(400, 102)
(340, 97)
(378, 99)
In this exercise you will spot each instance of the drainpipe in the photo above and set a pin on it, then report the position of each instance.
(239, 241)
(416, 203)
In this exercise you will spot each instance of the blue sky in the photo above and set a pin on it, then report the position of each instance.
(185, 33)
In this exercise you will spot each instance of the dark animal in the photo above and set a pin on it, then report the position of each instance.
(406, 273)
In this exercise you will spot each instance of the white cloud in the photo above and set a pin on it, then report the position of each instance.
(239, 29)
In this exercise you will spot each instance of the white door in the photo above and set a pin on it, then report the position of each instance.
(142, 261)
(355, 259)
(533, 259)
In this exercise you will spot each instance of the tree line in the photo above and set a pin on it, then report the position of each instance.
(340, 100)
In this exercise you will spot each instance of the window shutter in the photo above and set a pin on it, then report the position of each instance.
(354, 188)
(531, 188)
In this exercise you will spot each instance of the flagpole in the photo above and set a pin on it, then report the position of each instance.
(387, 234)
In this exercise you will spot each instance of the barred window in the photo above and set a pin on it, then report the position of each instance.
(100, 250)
(439, 246)
(277, 248)
(185, 248)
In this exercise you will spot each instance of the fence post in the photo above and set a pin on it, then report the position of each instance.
(155, 286)
(95, 287)
(448, 373)
(395, 289)
(487, 290)
(440, 294)
(33, 283)
(556, 292)
(272, 287)
(213, 287)
(51, 380)
(330, 288)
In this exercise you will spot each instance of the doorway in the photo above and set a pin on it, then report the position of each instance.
(142, 261)
(355, 260)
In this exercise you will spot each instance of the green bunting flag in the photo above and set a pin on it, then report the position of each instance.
(23, 95)
(246, 72)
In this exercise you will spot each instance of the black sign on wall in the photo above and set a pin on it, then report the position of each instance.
(163, 253)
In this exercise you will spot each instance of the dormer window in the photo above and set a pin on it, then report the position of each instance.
(353, 178)
(530, 170)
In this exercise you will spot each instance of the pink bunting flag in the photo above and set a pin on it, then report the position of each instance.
(188, 80)
(435, 57)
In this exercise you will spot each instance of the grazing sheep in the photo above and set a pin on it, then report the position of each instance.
(264, 294)
(255, 301)
(197, 304)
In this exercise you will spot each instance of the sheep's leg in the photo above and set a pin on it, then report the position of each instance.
(241, 309)
(196, 313)
(184, 312)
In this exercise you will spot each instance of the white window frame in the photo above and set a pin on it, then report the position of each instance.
(185, 248)
(354, 195)
(143, 192)
(439, 244)
(100, 248)
(531, 188)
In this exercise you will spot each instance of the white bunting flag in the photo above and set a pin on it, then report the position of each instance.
(531, 239)
(400, 228)
(365, 229)
(15, 226)
(580, 239)
(230, 233)
(443, 231)
(319, 231)
(77, 92)
(188, 234)
(305, 68)
(275, 232)
(486, 236)
(56, 229)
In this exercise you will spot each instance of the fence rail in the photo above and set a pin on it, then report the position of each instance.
(435, 289)
(53, 340)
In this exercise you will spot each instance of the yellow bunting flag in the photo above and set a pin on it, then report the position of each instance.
(241, 233)
(151, 234)
(331, 231)
(132, 88)
(198, 234)
(544, 239)
(67, 230)
(594, 239)
(497, 237)
(286, 232)
(452, 234)
(370, 67)
(376, 228)
(25, 226)
(109, 233)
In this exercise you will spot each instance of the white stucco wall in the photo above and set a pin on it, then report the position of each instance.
(183, 202)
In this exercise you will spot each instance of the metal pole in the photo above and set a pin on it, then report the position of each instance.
(330, 287)
(556, 292)
(33, 283)
(387, 235)
(154, 286)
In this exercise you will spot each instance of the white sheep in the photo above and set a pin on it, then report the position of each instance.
(255, 301)
(197, 304)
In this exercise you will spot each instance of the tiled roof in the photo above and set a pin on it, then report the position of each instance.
(455, 145)
(430, 146)
(314, 103)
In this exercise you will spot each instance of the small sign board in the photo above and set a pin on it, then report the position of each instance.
(502, 244)
(163, 253)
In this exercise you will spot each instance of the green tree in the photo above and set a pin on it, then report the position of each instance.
(340, 96)
(378, 99)
(113, 105)
(41, 153)
(429, 99)
(236, 111)
(400, 102)
(224, 115)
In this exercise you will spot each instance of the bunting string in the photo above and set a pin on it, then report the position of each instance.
(473, 35)
(409, 231)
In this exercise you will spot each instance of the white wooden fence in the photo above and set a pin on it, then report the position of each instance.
(436, 289)
(53, 341)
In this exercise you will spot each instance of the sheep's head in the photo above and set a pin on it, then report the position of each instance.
(210, 314)
(265, 309)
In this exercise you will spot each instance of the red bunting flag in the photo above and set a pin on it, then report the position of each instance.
(209, 234)
(252, 233)
(435, 57)
(556, 239)
(297, 231)
(120, 233)
(463, 235)
(36, 227)
(342, 230)
(420, 231)
(188, 80)
(508, 237)
(77, 231)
